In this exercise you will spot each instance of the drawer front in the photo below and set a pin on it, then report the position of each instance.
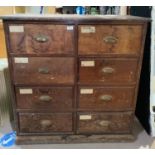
(36, 70)
(41, 39)
(45, 123)
(51, 98)
(108, 71)
(110, 39)
(105, 122)
(106, 98)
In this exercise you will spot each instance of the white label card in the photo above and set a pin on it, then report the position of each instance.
(17, 29)
(87, 63)
(86, 91)
(88, 29)
(85, 117)
(21, 60)
(25, 91)
(70, 28)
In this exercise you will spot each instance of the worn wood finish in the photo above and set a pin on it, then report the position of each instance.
(44, 71)
(106, 98)
(108, 71)
(67, 139)
(41, 122)
(56, 39)
(51, 98)
(104, 122)
(111, 39)
(120, 65)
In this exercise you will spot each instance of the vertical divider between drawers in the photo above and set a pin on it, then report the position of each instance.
(76, 77)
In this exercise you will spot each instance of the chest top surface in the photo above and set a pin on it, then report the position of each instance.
(72, 17)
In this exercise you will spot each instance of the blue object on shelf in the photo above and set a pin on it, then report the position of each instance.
(80, 10)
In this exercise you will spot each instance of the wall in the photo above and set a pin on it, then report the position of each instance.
(2, 42)
(152, 83)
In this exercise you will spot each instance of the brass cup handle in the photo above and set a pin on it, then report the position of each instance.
(110, 39)
(45, 98)
(104, 123)
(106, 98)
(41, 38)
(108, 70)
(43, 70)
(45, 123)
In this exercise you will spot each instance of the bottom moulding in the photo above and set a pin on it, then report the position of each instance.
(21, 140)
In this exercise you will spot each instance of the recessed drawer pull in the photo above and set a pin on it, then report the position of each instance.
(45, 123)
(41, 38)
(106, 98)
(108, 70)
(110, 39)
(43, 70)
(45, 98)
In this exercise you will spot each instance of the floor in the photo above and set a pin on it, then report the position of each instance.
(143, 141)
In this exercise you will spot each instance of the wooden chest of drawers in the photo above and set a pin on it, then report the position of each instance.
(74, 78)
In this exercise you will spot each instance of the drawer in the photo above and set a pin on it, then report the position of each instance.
(51, 98)
(108, 71)
(36, 70)
(41, 39)
(104, 122)
(45, 122)
(110, 39)
(106, 98)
